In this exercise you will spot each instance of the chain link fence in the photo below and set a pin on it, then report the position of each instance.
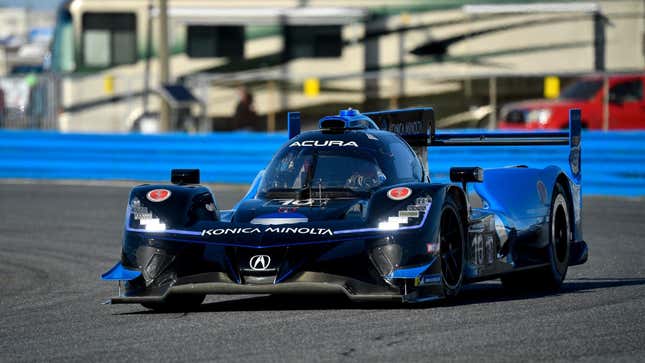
(259, 101)
(29, 102)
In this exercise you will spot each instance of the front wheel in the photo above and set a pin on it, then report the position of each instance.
(451, 248)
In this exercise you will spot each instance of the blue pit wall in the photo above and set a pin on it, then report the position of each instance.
(613, 163)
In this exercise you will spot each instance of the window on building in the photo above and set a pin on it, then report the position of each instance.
(109, 39)
(320, 41)
(215, 41)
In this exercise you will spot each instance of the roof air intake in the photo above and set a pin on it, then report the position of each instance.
(347, 119)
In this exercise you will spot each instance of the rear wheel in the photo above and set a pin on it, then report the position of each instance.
(559, 240)
(186, 302)
(451, 248)
(551, 276)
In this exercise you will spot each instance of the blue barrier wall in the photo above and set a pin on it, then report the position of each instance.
(613, 163)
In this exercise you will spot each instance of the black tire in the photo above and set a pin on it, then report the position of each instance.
(452, 248)
(177, 303)
(559, 240)
(550, 277)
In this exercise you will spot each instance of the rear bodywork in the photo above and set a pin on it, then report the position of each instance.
(376, 245)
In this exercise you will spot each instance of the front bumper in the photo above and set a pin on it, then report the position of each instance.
(414, 284)
(287, 288)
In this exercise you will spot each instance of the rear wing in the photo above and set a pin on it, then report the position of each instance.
(417, 127)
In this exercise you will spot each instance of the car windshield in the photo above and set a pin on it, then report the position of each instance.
(581, 90)
(302, 168)
(339, 165)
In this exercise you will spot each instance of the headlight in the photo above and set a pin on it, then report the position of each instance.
(388, 226)
(540, 115)
(145, 218)
(154, 225)
(411, 215)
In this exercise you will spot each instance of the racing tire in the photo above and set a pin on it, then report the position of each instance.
(177, 303)
(549, 278)
(452, 248)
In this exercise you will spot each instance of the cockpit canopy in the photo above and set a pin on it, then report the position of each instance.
(351, 162)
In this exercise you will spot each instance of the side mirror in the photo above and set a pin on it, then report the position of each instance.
(473, 174)
(184, 176)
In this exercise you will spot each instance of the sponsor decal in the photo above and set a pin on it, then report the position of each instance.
(259, 262)
(490, 245)
(408, 127)
(430, 279)
(412, 211)
(145, 218)
(574, 157)
(139, 212)
(416, 207)
(282, 230)
(420, 204)
(427, 280)
(323, 143)
(399, 193)
(301, 230)
(158, 195)
(483, 249)
(298, 203)
(478, 249)
(225, 231)
(409, 213)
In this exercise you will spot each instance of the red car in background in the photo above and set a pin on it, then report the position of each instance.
(626, 106)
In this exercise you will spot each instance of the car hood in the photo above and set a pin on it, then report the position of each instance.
(286, 211)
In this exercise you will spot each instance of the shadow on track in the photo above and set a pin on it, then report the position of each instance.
(487, 292)
(479, 293)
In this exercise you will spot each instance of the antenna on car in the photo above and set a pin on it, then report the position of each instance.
(293, 124)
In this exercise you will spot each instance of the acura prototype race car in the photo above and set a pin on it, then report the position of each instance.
(350, 208)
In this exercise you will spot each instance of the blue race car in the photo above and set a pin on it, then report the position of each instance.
(350, 209)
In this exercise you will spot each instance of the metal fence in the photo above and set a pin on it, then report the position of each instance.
(29, 102)
(114, 103)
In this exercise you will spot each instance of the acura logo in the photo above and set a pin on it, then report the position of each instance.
(260, 262)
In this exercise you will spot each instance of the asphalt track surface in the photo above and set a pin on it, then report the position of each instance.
(55, 241)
